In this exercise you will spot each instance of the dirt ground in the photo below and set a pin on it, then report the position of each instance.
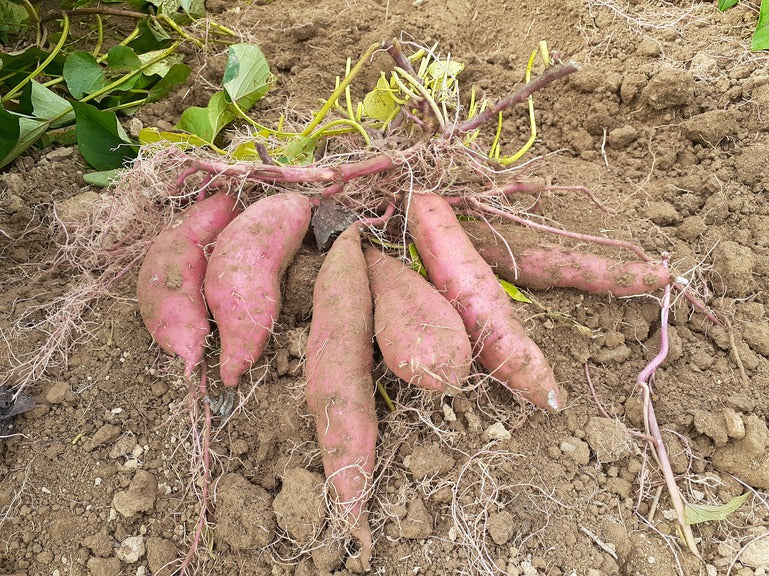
(667, 121)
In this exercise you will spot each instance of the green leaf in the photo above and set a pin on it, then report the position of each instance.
(152, 36)
(697, 513)
(122, 59)
(247, 76)
(153, 136)
(12, 19)
(177, 74)
(439, 70)
(301, 150)
(17, 65)
(100, 138)
(207, 122)
(9, 135)
(513, 291)
(101, 179)
(761, 35)
(416, 261)
(83, 74)
(195, 8)
(726, 4)
(161, 67)
(379, 103)
(42, 103)
(29, 131)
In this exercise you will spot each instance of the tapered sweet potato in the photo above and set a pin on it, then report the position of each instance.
(421, 336)
(463, 277)
(340, 388)
(242, 283)
(540, 267)
(170, 284)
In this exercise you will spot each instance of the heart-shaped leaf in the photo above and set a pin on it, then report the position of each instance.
(101, 139)
(247, 76)
(83, 74)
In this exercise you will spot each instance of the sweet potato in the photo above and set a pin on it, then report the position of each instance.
(463, 277)
(421, 336)
(170, 284)
(340, 387)
(541, 267)
(242, 283)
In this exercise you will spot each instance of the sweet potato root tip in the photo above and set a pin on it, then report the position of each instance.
(340, 387)
(170, 281)
(421, 336)
(242, 283)
(468, 282)
(540, 268)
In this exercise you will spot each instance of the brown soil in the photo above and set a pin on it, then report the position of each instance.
(666, 121)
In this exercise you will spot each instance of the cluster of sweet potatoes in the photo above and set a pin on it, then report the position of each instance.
(429, 331)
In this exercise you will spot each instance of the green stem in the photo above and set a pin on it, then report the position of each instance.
(100, 38)
(383, 393)
(43, 64)
(340, 89)
(163, 18)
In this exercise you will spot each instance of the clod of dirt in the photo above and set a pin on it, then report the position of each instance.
(756, 334)
(160, 554)
(131, 549)
(244, 516)
(104, 566)
(139, 497)
(575, 449)
(107, 433)
(416, 525)
(669, 88)
(297, 508)
(756, 554)
(735, 426)
(57, 392)
(711, 425)
(500, 526)
(328, 557)
(623, 136)
(751, 163)
(427, 460)
(747, 459)
(648, 557)
(100, 544)
(663, 213)
(710, 127)
(733, 269)
(608, 439)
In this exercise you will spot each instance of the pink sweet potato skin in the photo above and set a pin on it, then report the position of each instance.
(541, 267)
(242, 283)
(340, 387)
(170, 283)
(421, 336)
(463, 277)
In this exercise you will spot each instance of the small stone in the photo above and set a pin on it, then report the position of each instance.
(500, 526)
(756, 554)
(576, 449)
(497, 431)
(608, 439)
(58, 154)
(131, 549)
(735, 427)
